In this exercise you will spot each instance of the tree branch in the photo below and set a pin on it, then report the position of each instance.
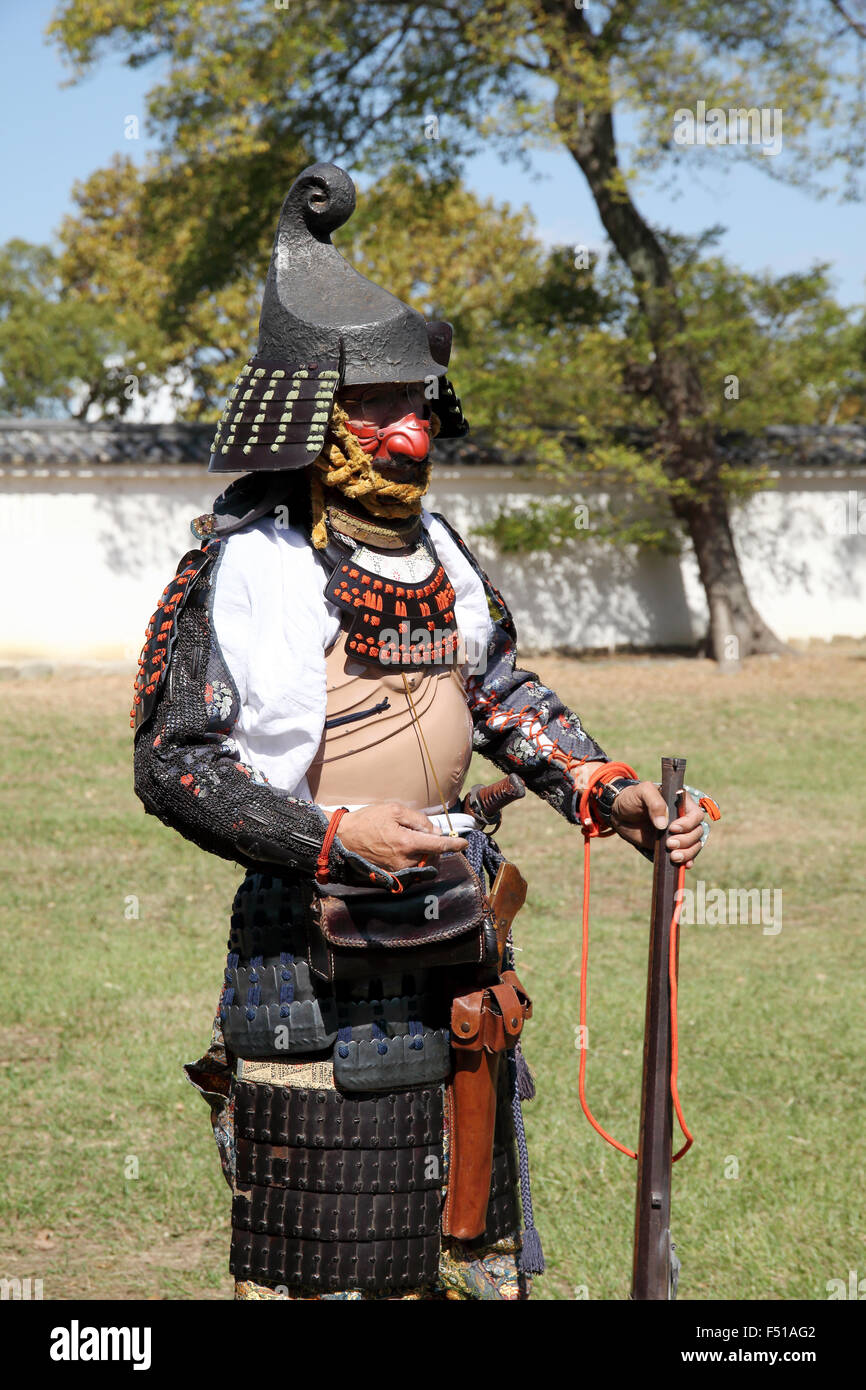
(342, 73)
(857, 25)
(574, 19)
(615, 23)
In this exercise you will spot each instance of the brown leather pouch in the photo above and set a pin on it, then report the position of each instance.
(446, 921)
(484, 1024)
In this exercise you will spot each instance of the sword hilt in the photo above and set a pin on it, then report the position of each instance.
(486, 803)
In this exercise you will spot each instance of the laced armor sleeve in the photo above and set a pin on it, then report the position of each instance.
(520, 724)
(188, 769)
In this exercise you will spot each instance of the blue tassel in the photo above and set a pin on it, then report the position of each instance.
(531, 1255)
(525, 1081)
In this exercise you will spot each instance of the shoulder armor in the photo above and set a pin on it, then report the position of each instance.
(497, 607)
(161, 632)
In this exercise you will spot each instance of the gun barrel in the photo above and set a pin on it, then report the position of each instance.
(653, 1259)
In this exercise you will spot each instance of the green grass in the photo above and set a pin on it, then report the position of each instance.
(101, 1010)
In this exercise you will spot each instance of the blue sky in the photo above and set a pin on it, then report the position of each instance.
(53, 135)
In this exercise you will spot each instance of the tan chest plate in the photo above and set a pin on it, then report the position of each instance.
(380, 757)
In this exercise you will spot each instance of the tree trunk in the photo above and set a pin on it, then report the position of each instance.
(688, 449)
(736, 629)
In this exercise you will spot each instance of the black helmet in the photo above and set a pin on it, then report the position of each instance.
(323, 326)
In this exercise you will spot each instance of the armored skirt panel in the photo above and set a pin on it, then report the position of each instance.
(335, 1192)
(340, 1129)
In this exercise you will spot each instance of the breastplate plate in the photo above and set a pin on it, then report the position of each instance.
(380, 756)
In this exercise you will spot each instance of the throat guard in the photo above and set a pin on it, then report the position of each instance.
(399, 607)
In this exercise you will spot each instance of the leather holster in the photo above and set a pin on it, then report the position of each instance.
(484, 1024)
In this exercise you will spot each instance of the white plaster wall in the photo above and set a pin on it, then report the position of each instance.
(83, 560)
(803, 552)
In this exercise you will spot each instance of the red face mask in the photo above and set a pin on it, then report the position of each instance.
(391, 421)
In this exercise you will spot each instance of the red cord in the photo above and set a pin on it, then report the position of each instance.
(604, 772)
(324, 852)
(672, 978)
(322, 873)
(591, 830)
(581, 1081)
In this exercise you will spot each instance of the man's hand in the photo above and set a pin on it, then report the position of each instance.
(394, 837)
(640, 811)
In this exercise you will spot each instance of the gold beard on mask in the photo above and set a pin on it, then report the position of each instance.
(344, 467)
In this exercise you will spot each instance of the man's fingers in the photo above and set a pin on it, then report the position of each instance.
(684, 839)
(413, 820)
(685, 846)
(416, 842)
(636, 805)
(395, 837)
(691, 815)
(421, 838)
(688, 855)
(655, 804)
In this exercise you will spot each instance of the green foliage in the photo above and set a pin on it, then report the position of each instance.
(788, 350)
(537, 527)
(52, 349)
(544, 527)
(358, 80)
(246, 94)
(799, 357)
(112, 246)
(555, 361)
(628, 501)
